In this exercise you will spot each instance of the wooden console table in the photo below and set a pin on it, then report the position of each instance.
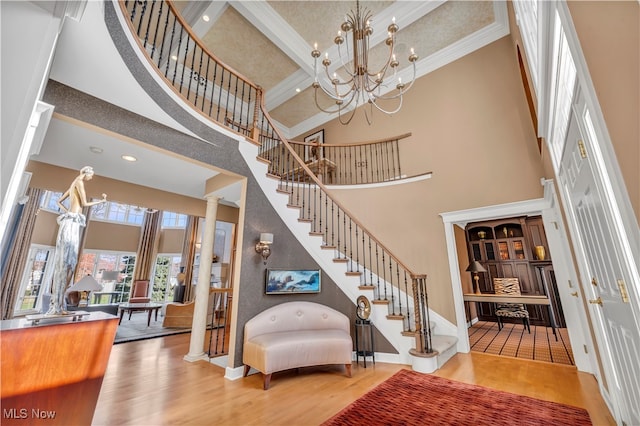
(526, 300)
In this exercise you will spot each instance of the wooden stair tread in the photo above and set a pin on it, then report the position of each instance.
(395, 317)
(353, 273)
(328, 247)
(340, 260)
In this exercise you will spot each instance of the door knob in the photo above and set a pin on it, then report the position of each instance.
(597, 301)
(574, 294)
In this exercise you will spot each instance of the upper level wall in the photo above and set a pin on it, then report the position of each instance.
(471, 127)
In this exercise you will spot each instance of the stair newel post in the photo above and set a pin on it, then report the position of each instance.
(255, 129)
(421, 312)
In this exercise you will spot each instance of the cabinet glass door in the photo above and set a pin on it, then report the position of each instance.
(503, 249)
(488, 248)
(518, 249)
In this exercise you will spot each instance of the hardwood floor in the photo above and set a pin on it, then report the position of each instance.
(148, 383)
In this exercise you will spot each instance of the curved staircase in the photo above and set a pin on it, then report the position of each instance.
(345, 250)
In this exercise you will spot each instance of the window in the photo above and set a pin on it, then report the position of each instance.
(563, 91)
(38, 272)
(118, 213)
(174, 220)
(49, 201)
(96, 263)
(527, 19)
(164, 277)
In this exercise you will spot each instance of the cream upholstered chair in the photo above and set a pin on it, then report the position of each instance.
(510, 287)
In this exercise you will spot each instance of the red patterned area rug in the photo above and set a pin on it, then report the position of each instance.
(409, 398)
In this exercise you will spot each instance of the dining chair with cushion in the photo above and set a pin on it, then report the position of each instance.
(510, 287)
(140, 293)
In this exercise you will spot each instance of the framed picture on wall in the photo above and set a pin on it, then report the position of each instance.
(292, 281)
(312, 153)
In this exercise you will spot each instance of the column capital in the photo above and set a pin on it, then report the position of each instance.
(212, 197)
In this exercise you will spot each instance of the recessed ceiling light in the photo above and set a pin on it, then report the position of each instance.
(174, 57)
(205, 18)
(297, 90)
(95, 150)
(129, 158)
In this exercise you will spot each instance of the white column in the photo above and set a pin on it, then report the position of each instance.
(199, 325)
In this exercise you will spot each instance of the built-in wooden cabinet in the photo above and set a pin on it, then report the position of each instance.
(507, 248)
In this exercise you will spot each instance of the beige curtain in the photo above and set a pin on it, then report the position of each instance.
(148, 246)
(189, 254)
(19, 250)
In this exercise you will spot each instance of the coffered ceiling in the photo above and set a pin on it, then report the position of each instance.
(270, 42)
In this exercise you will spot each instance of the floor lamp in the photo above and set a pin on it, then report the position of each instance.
(476, 267)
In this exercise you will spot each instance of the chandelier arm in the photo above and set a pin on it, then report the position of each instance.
(400, 93)
(388, 111)
(353, 112)
(349, 70)
(335, 96)
(335, 82)
(342, 100)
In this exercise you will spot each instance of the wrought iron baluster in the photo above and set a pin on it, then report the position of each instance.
(220, 94)
(142, 13)
(184, 59)
(206, 84)
(175, 69)
(194, 76)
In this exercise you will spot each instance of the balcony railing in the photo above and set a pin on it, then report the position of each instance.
(228, 98)
(353, 164)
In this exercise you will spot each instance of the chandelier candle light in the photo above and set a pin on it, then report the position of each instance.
(361, 84)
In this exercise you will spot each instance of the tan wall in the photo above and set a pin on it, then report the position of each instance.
(472, 128)
(45, 229)
(112, 236)
(171, 241)
(609, 33)
(100, 235)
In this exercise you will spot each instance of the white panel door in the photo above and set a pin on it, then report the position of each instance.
(606, 274)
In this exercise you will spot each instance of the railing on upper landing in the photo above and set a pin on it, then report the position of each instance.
(226, 97)
(353, 164)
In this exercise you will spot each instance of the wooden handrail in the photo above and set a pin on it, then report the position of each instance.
(196, 39)
(320, 185)
(347, 145)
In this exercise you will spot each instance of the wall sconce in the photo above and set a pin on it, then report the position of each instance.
(264, 245)
(476, 267)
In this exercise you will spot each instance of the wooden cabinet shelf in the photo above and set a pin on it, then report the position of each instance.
(506, 248)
